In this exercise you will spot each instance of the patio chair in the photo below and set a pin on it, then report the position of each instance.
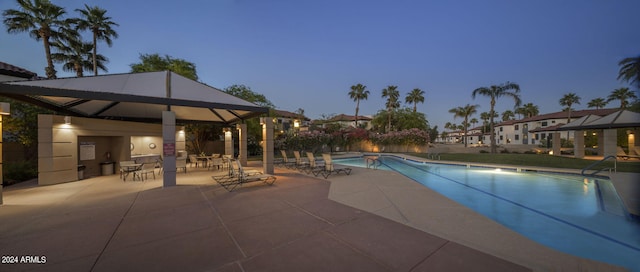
(239, 177)
(193, 159)
(149, 167)
(213, 162)
(181, 163)
(330, 169)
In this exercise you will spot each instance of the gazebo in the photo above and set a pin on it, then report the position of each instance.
(606, 127)
(163, 97)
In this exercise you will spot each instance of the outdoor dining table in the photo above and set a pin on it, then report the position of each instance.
(130, 168)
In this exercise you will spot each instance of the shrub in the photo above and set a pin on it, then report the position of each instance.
(504, 151)
(484, 151)
(530, 152)
(15, 172)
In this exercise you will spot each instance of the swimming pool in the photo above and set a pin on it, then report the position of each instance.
(582, 217)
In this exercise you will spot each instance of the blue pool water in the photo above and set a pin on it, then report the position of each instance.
(582, 217)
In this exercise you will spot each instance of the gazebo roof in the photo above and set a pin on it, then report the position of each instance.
(133, 97)
(618, 119)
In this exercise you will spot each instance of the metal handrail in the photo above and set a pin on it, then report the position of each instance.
(615, 166)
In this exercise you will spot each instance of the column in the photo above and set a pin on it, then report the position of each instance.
(5, 109)
(610, 142)
(631, 137)
(169, 148)
(600, 136)
(578, 144)
(228, 141)
(242, 129)
(267, 145)
(556, 143)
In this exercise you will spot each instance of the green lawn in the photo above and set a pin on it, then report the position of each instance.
(540, 160)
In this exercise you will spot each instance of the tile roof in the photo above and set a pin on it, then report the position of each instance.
(288, 114)
(12, 70)
(560, 115)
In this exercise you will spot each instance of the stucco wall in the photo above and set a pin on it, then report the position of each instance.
(58, 144)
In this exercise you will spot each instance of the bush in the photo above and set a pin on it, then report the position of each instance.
(530, 152)
(484, 151)
(504, 151)
(15, 172)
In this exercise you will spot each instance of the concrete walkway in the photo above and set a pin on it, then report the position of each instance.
(105, 224)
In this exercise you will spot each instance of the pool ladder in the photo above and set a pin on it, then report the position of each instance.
(373, 162)
(615, 162)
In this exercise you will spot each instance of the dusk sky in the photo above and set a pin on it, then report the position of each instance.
(307, 54)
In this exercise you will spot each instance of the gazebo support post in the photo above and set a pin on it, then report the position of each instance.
(578, 144)
(169, 148)
(600, 137)
(228, 142)
(267, 145)
(242, 129)
(610, 142)
(556, 143)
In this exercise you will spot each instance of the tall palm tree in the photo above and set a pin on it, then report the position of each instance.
(42, 20)
(464, 112)
(76, 56)
(568, 100)
(392, 94)
(94, 19)
(530, 110)
(358, 92)
(494, 92)
(597, 103)
(630, 70)
(415, 96)
(520, 111)
(622, 94)
(507, 115)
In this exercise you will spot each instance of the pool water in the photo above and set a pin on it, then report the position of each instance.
(582, 217)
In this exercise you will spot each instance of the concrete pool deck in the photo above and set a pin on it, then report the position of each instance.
(301, 223)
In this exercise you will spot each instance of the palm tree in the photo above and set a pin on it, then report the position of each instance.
(597, 103)
(484, 116)
(415, 96)
(630, 70)
(622, 94)
(76, 56)
(530, 110)
(392, 94)
(358, 92)
(94, 19)
(507, 115)
(42, 20)
(465, 112)
(568, 100)
(473, 121)
(494, 92)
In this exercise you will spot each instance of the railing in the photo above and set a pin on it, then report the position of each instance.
(373, 162)
(615, 162)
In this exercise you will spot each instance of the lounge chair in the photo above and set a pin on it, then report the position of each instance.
(314, 165)
(239, 177)
(193, 159)
(330, 169)
(301, 163)
(623, 155)
(285, 161)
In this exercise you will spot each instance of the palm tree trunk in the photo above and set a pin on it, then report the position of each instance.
(415, 106)
(50, 70)
(357, 108)
(95, 53)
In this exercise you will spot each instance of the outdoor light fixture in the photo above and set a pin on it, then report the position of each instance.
(226, 130)
(5, 108)
(67, 120)
(296, 123)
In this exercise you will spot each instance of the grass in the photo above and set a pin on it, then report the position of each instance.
(539, 160)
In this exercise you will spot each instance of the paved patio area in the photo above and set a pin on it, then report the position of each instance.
(368, 221)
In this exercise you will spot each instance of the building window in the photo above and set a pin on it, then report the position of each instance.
(543, 136)
(537, 136)
(500, 129)
(545, 123)
(525, 126)
(553, 121)
(500, 137)
(517, 137)
(517, 127)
